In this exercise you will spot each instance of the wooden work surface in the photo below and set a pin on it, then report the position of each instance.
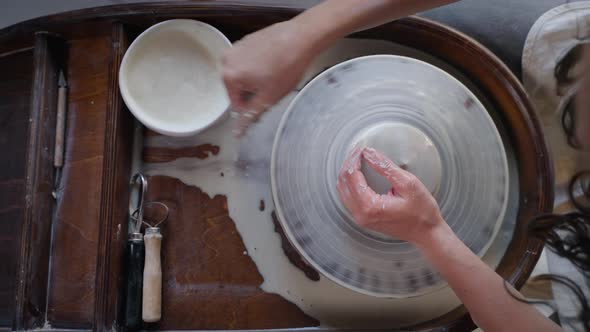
(207, 269)
(66, 252)
(14, 113)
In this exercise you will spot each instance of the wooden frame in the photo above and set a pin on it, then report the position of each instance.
(115, 190)
(36, 226)
(235, 18)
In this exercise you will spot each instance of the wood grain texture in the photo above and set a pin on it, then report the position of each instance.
(15, 87)
(161, 154)
(39, 203)
(208, 281)
(76, 225)
(116, 173)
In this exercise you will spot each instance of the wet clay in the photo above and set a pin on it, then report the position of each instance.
(164, 154)
(293, 255)
(261, 206)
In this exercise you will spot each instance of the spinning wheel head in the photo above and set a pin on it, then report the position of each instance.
(423, 119)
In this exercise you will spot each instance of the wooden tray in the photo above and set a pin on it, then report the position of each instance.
(65, 253)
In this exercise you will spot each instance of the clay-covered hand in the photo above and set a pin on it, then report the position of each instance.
(407, 212)
(262, 68)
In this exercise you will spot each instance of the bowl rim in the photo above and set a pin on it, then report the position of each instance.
(131, 102)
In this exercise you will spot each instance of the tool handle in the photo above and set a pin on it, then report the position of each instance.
(152, 277)
(60, 130)
(134, 286)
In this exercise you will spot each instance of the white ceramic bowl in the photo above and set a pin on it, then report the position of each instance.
(170, 77)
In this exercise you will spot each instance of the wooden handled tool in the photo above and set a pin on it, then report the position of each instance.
(60, 132)
(152, 272)
(152, 276)
(60, 128)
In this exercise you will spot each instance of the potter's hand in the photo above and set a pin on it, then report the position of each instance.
(263, 67)
(406, 212)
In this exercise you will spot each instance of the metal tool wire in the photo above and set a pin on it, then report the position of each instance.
(134, 214)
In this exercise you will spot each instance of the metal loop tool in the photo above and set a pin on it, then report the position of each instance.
(144, 269)
(139, 187)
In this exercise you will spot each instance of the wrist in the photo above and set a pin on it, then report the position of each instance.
(435, 238)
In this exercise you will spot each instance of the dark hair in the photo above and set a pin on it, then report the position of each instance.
(565, 75)
(564, 72)
(568, 122)
(568, 235)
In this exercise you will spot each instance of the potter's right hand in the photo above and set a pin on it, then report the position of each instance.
(263, 67)
(407, 212)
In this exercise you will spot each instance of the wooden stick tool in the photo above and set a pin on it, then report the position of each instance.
(152, 272)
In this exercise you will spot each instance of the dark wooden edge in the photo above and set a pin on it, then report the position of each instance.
(114, 193)
(262, 12)
(165, 8)
(60, 330)
(32, 275)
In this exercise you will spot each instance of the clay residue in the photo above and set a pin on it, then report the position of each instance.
(164, 154)
(208, 283)
(469, 102)
(294, 256)
(261, 207)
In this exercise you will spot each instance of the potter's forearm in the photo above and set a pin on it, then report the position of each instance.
(333, 19)
(480, 289)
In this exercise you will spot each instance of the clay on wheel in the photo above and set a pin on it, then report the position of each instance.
(408, 148)
(422, 118)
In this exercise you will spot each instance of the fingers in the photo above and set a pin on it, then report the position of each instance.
(354, 192)
(397, 177)
(247, 108)
(247, 103)
(233, 87)
(244, 118)
(349, 167)
(352, 161)
(350, 174)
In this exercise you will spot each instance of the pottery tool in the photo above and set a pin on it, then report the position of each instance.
(152, 272)
(423, 119)
(60, 127)
(135, 253)
(60, 130)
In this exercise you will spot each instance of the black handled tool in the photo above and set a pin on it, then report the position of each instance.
(135, 255)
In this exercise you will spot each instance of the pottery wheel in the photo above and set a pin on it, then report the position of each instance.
(424, 120)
